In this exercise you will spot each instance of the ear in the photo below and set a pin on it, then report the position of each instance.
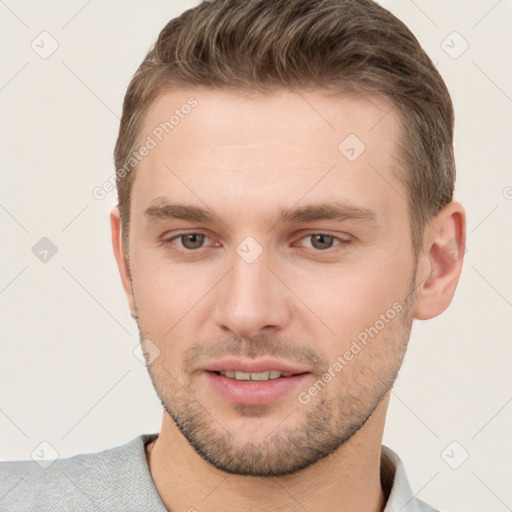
(121, 257)
(440, 261)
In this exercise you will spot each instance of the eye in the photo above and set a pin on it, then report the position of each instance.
(323, 241)
(189, 241)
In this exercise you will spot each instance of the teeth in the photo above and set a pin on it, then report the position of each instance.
(260, 376)
(269, 375)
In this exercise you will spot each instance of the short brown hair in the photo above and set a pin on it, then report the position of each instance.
(352, 46)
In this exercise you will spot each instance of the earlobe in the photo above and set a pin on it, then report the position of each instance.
(121, 257)
(440, 262)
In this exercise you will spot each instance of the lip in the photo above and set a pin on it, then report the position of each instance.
(253, 392)
(250, 366)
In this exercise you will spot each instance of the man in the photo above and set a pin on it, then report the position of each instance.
(285, 177)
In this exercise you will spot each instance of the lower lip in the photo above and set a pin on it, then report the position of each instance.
(254, 392)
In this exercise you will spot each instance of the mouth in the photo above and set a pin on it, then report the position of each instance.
(254, 382)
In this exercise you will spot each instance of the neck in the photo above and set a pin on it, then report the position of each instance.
(347, 480)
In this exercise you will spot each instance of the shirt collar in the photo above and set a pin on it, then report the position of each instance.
(395, 484)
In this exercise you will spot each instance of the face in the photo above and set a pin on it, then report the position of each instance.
(272, 271)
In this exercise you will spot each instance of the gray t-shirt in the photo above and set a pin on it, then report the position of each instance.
(118, 479)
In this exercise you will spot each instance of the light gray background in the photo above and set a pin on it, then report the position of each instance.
(68, 373)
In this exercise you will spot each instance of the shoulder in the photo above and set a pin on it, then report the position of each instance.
(114, 479)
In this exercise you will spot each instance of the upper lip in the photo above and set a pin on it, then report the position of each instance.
(252, 366)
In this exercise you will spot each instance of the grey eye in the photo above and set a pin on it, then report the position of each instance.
(192, 240)
(322, 241)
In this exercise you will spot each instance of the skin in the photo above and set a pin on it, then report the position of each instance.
(245, 158)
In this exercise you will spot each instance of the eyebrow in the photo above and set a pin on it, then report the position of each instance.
(326, 211)
(161, 210)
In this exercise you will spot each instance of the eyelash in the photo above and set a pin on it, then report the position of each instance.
(341, 241)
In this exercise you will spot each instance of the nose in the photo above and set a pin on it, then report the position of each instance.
(251, 299)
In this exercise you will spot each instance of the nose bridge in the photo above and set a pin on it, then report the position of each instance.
(249, 298)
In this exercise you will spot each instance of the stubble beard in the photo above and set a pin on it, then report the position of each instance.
(329, 422)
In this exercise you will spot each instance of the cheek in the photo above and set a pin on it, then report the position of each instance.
(167, 294)
(170, 300)
(350, 300)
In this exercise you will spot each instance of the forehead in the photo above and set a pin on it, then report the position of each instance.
(280, 145)
(283, 113)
